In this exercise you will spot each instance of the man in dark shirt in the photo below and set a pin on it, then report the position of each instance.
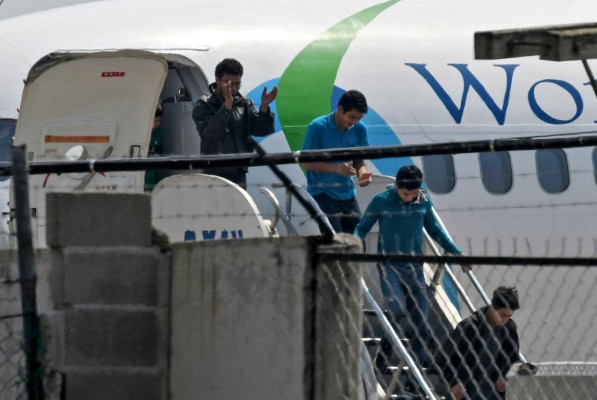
(476, 357)
(226, 120)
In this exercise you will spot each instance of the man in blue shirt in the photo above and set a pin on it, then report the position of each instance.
(331, 183)
(402, 211)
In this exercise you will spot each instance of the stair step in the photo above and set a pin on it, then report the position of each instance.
(371, 341)
(372, 313)
(408, 396)
(391, 369)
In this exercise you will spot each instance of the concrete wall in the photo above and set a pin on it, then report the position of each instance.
(251, 319)
(257, 319)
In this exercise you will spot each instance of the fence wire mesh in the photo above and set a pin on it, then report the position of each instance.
(557, 310)
(12, 355)
(462, 346)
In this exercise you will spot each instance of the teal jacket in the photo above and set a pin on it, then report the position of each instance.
(401, 224)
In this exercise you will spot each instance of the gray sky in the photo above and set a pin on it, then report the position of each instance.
(13, 8)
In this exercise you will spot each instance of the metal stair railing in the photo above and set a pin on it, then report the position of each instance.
(279, 215)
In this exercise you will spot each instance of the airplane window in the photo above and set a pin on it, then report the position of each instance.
(552, 170)
(439, 173)
(496, 171)
(7, 131)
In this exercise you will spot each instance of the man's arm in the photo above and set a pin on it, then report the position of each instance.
(344, 169)
(510, 349)
(437, 233)
(364, 176)
(262, 120)
(369, 219)
(435, 230)
(210, 123)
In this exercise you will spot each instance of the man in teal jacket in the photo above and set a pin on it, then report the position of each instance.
(402, 211)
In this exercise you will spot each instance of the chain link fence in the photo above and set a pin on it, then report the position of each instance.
(12, 355)
(557, 304)
(554, 332)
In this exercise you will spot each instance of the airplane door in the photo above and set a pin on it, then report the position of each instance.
(78, 106)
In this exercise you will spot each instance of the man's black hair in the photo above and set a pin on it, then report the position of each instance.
(505, 297)
(228, 66)
(353, 100)
(409, 177)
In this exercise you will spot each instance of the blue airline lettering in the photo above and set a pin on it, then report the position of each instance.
(542, 115)
(189, 236)
(469, 81)
(211, 234)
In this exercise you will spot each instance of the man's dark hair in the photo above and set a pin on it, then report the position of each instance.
(353, 100)
(228, 66)
(409, 177)
(505, 297)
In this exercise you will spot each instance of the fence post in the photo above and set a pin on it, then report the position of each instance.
(27, 275)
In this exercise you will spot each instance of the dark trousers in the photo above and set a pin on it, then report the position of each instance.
(344, 215)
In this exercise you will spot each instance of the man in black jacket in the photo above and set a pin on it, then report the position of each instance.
(478, 354)
(226, 120)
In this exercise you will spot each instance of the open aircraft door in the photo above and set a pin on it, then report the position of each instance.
(84, 106)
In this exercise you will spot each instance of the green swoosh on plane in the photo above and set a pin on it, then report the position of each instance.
(306, 86)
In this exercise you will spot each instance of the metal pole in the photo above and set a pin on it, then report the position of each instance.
(27, 275)
(590, 75)
(327, 155)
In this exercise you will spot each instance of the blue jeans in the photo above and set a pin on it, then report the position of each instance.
(343, 215)
(405, 294)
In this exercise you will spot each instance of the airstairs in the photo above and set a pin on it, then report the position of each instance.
(402, 379)
(397, 377)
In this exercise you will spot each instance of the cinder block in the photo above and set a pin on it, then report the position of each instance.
(116, 385)
(100, 276)
(52, 333)
(109, 337)
(98, 219)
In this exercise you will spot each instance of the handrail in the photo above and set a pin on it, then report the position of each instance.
(280, 214)
(321, 218)
(457, 284)
(395, 340)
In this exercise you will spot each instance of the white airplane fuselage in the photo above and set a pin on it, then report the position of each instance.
(412, 59)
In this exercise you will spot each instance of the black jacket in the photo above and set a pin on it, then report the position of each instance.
(229, 132)
(475, 351)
